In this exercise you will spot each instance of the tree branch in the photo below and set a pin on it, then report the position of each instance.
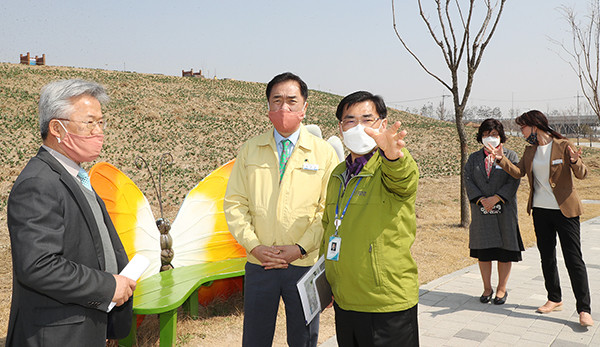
(585, 51)
(451, 60)
(453, 56)
(412, 53)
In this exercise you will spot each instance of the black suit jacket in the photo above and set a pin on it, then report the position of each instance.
(60, 289)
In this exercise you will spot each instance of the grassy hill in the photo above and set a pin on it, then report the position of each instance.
(202, 123)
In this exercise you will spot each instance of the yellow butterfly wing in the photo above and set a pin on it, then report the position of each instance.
(130, 213)
(200, 232)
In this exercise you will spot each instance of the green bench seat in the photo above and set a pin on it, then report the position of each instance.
(166, 291)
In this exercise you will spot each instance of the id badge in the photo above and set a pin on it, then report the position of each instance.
(333, 248)
(310, 167)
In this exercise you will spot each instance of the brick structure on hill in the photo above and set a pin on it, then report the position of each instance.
(27, 60)
(191, 73)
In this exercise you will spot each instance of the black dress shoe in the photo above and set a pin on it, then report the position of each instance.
(502, 300)
(484, 299)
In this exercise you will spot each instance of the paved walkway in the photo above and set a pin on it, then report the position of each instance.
(450, 313)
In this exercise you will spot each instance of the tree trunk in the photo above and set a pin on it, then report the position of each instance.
(462, 136)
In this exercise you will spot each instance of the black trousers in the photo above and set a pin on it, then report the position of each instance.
(371, 329)
(262, 292)
(547, 223)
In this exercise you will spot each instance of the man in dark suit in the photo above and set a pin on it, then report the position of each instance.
(65, 250)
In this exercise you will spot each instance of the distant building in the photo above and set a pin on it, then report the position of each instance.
(191, 73)
(573, 125)
(26, 59)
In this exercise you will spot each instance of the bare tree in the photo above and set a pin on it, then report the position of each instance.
(427, 110)
(584, 50)
(479, 113)
(462, 43)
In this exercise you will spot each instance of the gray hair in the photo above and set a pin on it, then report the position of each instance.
(55, 99)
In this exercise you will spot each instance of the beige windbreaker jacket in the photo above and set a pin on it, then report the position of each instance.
(262, 211)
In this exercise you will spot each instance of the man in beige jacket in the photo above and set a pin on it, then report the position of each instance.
(274, 204)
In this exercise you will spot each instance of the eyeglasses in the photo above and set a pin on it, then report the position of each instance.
(89, 124)
(351, 122)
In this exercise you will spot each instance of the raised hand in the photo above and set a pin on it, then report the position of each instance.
(575, 154)
(498, 152)
(390, 141)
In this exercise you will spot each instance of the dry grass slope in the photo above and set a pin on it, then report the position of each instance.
(202, 123)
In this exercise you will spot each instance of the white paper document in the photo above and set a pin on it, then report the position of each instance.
(314, 291)
(133, 270)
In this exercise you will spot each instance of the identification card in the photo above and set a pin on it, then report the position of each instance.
(310, 167)
(557, 161)
(333, 248)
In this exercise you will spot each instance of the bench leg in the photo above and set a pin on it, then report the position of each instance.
(190, 306)
(130, 339)
(168, 328)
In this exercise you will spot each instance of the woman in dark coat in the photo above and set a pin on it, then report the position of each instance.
(494, 231)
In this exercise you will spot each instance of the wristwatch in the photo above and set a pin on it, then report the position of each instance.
(302, 252)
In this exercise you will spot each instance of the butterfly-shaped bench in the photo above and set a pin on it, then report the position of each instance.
(204, 249)
(164, 292)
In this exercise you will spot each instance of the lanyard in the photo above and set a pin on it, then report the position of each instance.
(338, 220)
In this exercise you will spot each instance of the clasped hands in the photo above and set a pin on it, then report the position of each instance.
(489, 202)
(276, 257)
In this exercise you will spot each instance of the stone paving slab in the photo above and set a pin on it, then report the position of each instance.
(450, 313)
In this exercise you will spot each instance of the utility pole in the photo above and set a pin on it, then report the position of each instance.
(578, 125)
(442, 107)
(512, 105)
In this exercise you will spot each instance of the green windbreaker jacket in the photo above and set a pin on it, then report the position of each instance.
(375, 271)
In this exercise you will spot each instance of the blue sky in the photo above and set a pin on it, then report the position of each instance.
(337, 46)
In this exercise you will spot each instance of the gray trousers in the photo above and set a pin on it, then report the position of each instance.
(262, 292)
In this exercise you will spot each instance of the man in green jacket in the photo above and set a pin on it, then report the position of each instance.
(370, 225)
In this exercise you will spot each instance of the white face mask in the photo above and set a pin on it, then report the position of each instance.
(357, 140)
(491, 140)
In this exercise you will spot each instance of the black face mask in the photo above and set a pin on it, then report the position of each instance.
(532, 138)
